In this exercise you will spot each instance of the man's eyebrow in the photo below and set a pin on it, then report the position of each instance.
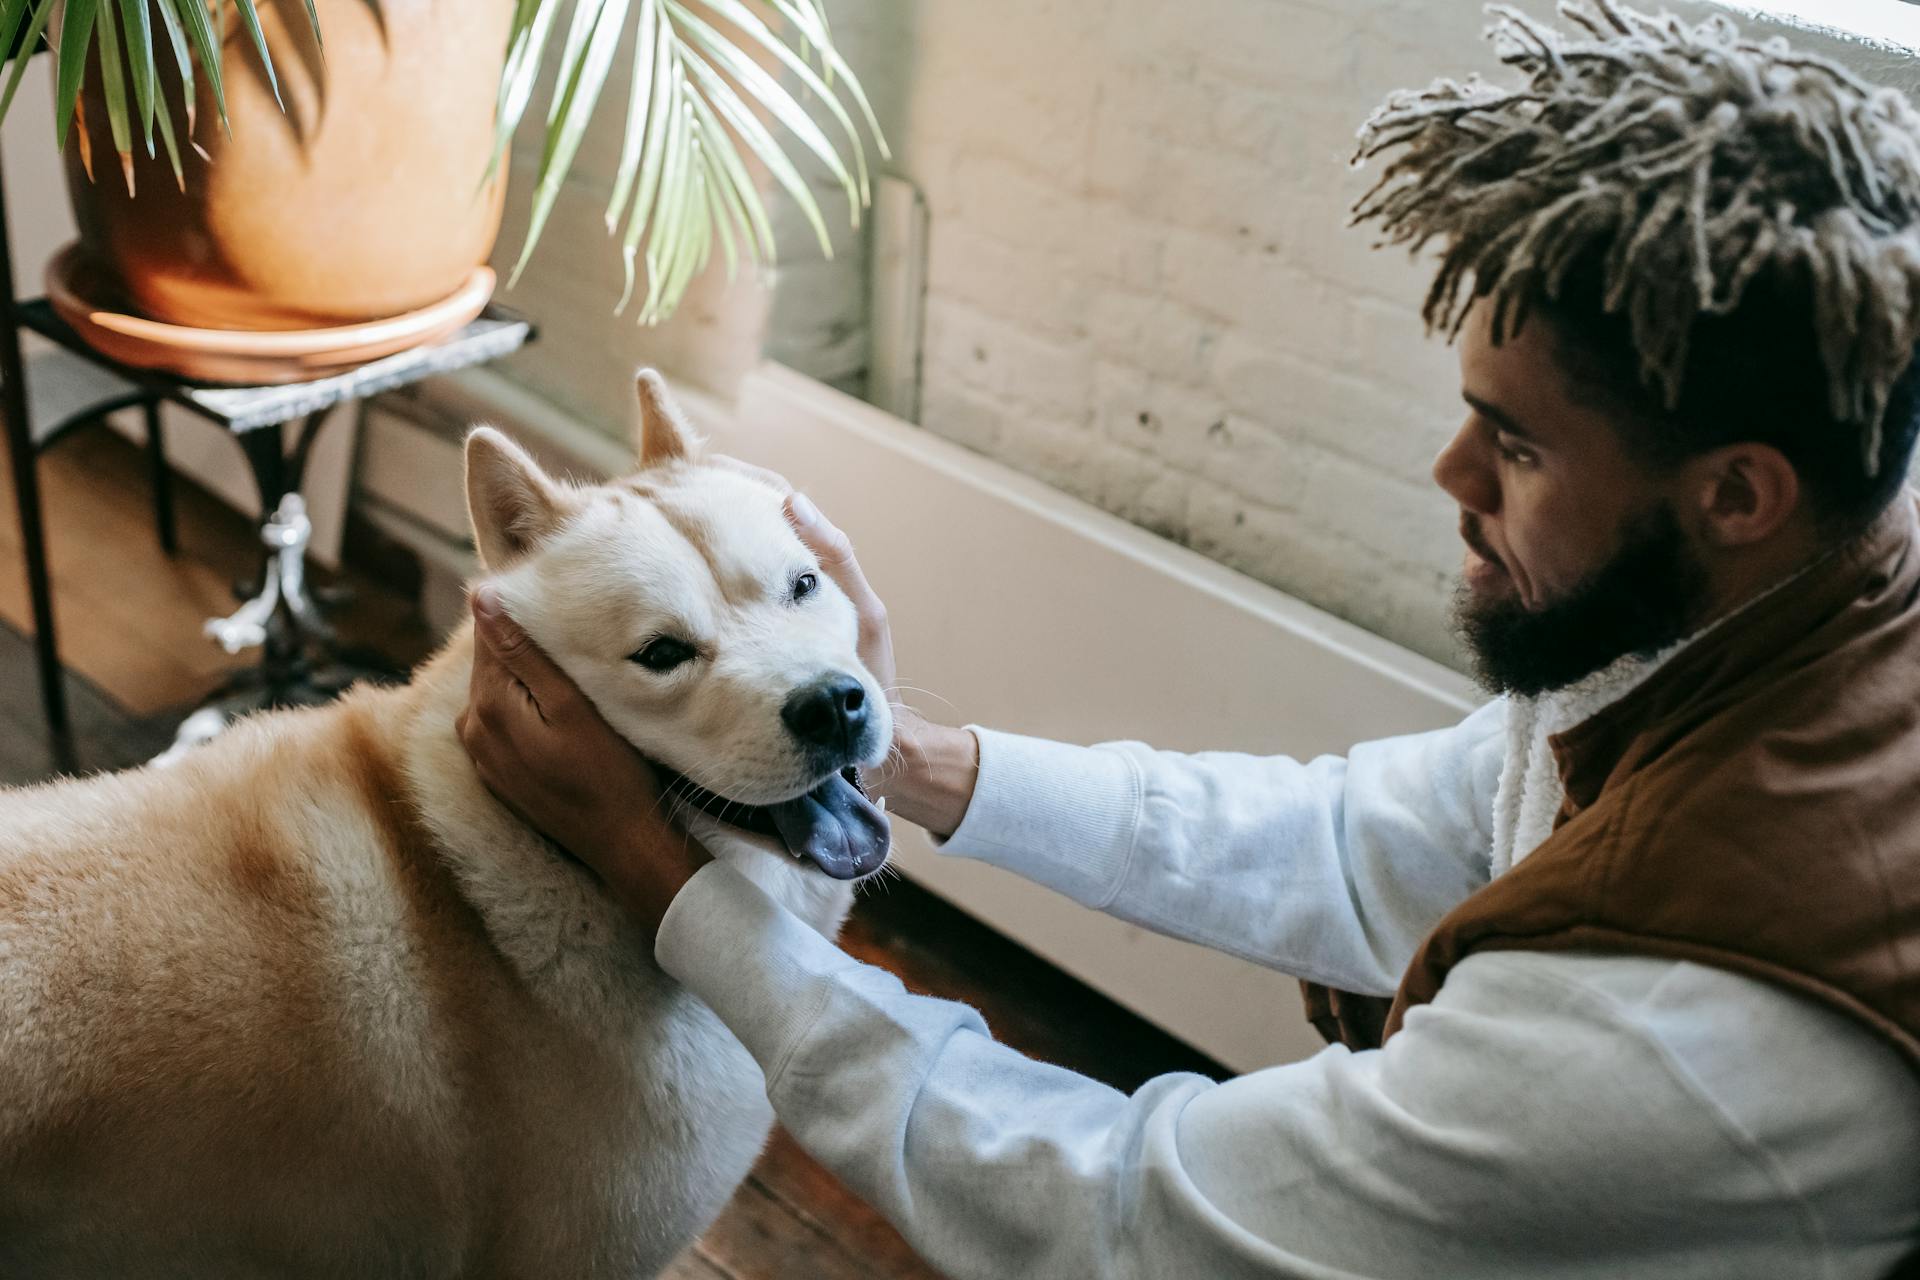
(1498, 417)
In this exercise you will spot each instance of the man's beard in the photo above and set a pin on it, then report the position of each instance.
(1651, 594)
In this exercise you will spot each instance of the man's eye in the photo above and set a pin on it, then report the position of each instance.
(664, 654)
(1511, 452)
(805, 585)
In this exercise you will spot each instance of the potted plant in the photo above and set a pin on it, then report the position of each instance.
(245, 165)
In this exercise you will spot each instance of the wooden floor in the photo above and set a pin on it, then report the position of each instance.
(130, 620)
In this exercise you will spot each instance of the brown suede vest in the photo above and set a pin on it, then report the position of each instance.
(1755, 805)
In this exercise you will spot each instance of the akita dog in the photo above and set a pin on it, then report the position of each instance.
(311, 1002)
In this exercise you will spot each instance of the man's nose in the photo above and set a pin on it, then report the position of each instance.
(830, 712)
(1462, 472)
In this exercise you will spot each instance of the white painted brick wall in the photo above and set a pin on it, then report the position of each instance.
(1141, 288)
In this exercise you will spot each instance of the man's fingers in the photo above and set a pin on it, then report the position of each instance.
(820, 534)
(500, 639)
(500, 633)
(834, 550)
(479, 732)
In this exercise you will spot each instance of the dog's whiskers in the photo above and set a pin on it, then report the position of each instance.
(881, 880)
(673, 805)
(914, 688)
(678, 808)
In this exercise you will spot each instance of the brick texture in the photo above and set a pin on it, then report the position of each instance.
(1142, 289)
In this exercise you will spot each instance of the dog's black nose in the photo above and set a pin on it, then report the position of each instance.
(830, 712)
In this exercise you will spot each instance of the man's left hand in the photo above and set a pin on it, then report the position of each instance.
(546, 753)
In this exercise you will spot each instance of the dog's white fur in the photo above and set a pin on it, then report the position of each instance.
(311, 1002)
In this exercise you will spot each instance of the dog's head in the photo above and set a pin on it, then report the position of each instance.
(685, 606)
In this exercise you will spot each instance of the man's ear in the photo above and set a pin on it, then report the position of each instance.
(513, 504)
(1746, 493)
(664, 434)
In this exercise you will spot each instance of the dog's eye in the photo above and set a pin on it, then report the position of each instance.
(804, 586)
(664, 654)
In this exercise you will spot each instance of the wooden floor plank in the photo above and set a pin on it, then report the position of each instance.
(792, 1177)
(105, 737)
(759, 1237)
(124, 612)
(692, 1266)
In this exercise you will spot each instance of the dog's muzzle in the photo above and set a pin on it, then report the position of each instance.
(830, 719)
(834, 826)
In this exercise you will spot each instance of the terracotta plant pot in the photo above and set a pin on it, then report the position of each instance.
(362, 200)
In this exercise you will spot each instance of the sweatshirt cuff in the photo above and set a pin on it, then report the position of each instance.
(753, 962)
(1063, 816)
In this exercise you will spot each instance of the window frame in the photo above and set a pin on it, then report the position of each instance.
(1892, 25)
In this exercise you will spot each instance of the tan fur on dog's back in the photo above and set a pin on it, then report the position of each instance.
(173, 1011)
(250, 1023)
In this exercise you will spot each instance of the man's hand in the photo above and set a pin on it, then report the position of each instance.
(929, 774)
(834, 550)
(543, 749)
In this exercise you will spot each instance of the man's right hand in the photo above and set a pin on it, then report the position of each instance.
(929, 774)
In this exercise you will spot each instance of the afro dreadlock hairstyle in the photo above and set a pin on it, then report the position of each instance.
(1723, 233)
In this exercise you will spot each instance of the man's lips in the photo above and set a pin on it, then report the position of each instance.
(834, 825)
(1476, 541)
(1477, 544)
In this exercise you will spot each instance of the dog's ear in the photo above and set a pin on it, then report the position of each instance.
(513, 504)
(664, 434)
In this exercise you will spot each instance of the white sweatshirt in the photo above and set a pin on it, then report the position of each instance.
(1547, 1114)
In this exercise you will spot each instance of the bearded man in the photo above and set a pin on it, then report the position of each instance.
(1627, 964)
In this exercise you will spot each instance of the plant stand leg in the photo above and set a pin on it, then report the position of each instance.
(26, 489)
(162, 480)
(297, 666)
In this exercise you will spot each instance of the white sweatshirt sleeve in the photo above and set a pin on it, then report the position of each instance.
(1331, 870)
(1559, 1115)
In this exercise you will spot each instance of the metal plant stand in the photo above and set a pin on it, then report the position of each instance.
(299, 663)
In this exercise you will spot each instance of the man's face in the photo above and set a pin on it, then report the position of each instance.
(1575, 555)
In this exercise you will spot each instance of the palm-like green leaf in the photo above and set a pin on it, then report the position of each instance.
(139, 34)
(532, 24)
(773, 97)
(567, 125)
(116, 92)
(709, 87)
(76, 37)
(183, 58)
(164, 120)
(313, 17)
(29, 43)
(250, 18)
(122, 34)
(206, 47)
(813, 22)
(651, 81)
(12, 14)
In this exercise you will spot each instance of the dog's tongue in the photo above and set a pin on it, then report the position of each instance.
(836, 826)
